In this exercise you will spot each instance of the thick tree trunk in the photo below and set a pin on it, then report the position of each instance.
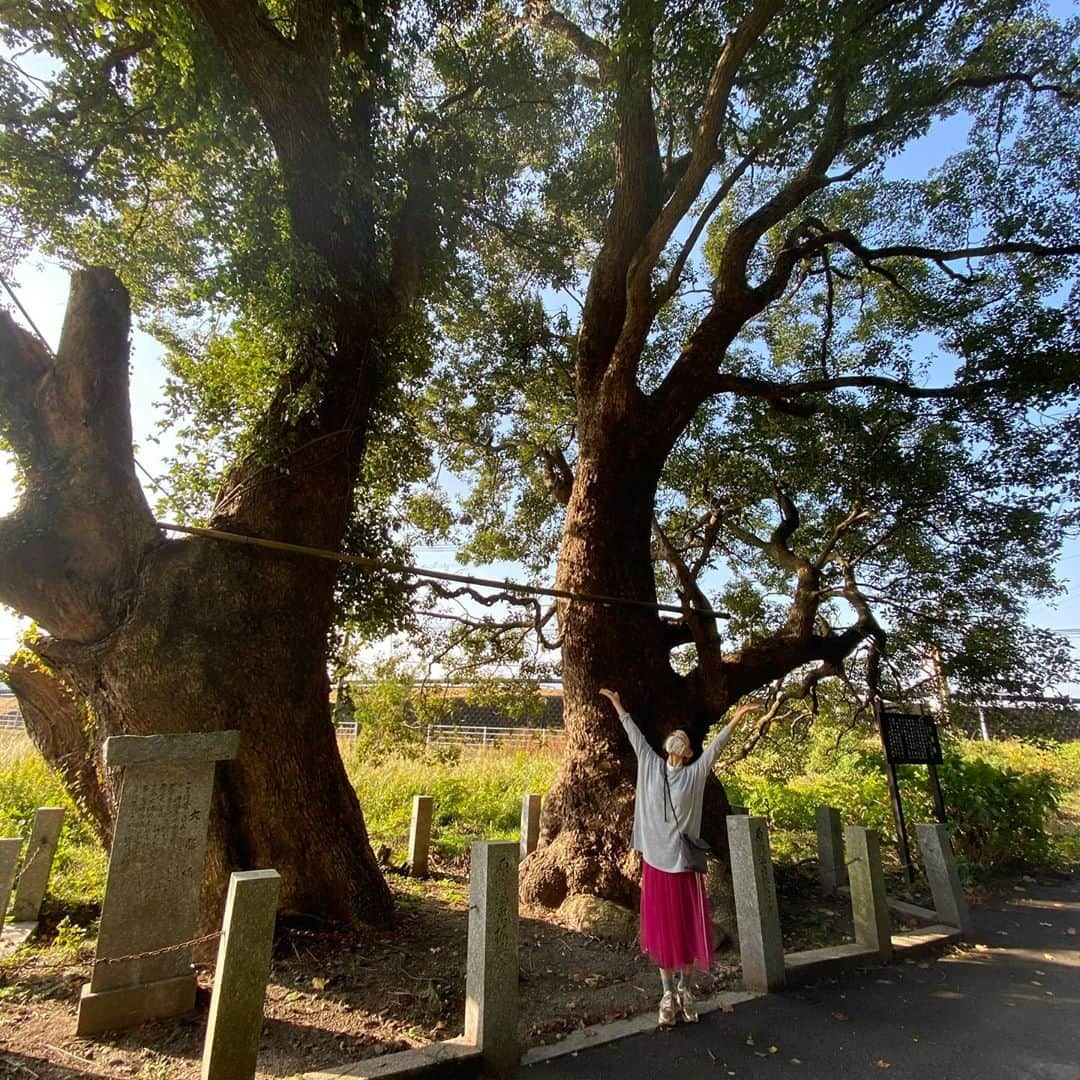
(587, 817)
(225, 637)
(194, 635)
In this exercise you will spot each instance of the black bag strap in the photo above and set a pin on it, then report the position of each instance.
(667, 792)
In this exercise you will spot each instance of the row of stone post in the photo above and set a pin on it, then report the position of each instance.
(851, 854)
(32, 879)
(423, 808)
(937, 856)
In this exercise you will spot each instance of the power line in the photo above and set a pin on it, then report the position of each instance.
(434, 575)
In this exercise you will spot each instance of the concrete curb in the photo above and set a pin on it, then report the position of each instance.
(455, 1057)
(621, 1029)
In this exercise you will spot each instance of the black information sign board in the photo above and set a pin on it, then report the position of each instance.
(910, 739)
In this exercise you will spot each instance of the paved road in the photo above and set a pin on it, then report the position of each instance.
(1004, 1008)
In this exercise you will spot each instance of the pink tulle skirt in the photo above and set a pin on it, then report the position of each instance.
(676, 927)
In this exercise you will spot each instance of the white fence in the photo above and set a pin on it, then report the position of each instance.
(477, 736)
(483, 736)
(11, 721)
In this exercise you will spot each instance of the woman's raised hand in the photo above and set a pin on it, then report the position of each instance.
(613, 697)
(742, 710)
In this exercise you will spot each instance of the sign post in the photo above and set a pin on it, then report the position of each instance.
(909, 739)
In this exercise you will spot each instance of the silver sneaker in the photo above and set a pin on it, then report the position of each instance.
(685, 1007)
(666, 1018)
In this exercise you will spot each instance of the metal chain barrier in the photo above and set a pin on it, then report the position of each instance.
(160, 952)
(26, 865)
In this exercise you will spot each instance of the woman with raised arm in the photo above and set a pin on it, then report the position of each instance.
(676, 927)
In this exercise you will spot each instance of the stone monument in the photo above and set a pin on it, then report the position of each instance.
(155, 877)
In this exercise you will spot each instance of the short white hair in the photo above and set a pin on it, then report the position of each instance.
(677, 743)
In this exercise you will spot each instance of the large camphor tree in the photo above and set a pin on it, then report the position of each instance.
(815, 382)
(304, 173)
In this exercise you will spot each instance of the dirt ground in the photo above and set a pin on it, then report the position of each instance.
(334, 998)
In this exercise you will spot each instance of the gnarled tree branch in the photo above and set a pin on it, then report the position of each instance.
(69, 553)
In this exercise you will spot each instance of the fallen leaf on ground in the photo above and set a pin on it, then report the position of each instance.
(839, 1016)
(881, 1063)
(774, 1049)
(749, 1040)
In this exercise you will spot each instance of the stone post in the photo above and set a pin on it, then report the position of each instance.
(832, 869)
(9, 856)
(243, 967)
(869, 904)
(937, 854)
(530, 823)
(420, 835)
(491, 978)
(761, 946)
(155, 876)
(36, 867)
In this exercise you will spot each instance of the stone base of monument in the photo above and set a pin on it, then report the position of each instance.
(445, 1060)
(112, 1010)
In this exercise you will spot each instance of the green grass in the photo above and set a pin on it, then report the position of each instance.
(26, 782)
(477, 797)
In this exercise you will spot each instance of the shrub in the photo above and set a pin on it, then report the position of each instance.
(1000, 815)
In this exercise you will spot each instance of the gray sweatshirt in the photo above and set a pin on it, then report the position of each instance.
(659, 841)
